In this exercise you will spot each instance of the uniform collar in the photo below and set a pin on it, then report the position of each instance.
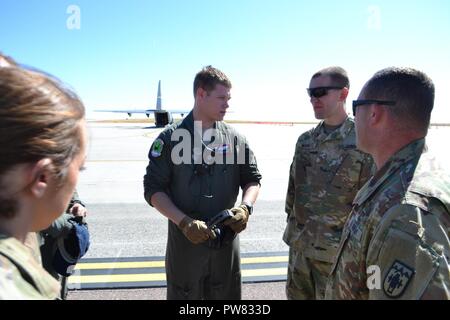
(188, 122)
(408, 153)
(343, 131)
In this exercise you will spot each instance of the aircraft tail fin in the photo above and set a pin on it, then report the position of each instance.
(158, 99)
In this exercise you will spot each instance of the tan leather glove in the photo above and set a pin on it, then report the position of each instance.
(238, 222)
(195, 230)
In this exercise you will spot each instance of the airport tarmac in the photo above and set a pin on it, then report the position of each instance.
(122, 224)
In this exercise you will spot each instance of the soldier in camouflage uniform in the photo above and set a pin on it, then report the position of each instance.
(42, 148)
(325, 175)
(191, 191)
(17, 260)
(395, 244)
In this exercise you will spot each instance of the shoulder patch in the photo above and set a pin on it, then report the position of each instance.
(397, 279)
(157, 148)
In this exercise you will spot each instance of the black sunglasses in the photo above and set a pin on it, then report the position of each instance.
(357, 103)
(320, 91)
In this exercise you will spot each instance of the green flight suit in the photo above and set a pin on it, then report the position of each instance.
(200, 191)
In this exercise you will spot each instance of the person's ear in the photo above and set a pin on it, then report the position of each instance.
(344, 94)
(377, 113)
(201, 93)
(40, 176)
(198, 93)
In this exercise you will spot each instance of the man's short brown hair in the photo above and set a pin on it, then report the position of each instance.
(208, 78)
(412, 90)
(338, 76)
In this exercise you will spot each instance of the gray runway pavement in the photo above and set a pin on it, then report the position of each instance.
(250, 291)
(136, 230)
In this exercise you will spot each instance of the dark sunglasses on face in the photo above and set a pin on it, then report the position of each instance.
(320, 91)
(357, 103)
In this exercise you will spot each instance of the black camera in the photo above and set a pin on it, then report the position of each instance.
(224, 234)
(219, 218)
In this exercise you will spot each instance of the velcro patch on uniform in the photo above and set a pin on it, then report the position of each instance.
(397, 279)
(157, 148)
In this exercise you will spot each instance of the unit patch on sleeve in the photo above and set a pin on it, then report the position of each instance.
(397, 279)
(157, 148)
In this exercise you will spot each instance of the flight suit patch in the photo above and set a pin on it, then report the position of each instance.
(157, 148)
(397, 279)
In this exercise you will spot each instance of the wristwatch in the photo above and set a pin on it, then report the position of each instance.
(249, 206)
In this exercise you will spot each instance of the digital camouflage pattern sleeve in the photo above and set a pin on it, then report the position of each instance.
(395, 244)
(411, 249)
(16, 261)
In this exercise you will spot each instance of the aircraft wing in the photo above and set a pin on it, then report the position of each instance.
(147, 111)
(178, 111)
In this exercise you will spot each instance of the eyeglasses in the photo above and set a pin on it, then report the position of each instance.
(320, 91)
(357, 103)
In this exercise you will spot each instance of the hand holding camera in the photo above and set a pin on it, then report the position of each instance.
(195, 230)
(238, 222)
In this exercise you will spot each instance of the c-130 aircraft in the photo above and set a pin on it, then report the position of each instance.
(162, 117)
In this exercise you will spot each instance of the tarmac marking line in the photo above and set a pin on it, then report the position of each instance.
(161, 276)
(117, 278)
(148, 272)
(120, 265)
(161, 264)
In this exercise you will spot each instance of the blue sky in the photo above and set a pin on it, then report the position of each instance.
(269, 49)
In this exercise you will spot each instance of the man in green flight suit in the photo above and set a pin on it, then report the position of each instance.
(325, 175)
(195, 170)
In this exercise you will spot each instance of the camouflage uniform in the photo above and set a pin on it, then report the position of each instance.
(200, 191)
(325, 175)
(21, 275)
(399, 225)
(33, 242)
